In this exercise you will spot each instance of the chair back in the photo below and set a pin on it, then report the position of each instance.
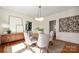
(27, 38)
(43, 40)
(51, 35)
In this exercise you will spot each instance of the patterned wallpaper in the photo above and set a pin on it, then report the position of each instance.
(69, 24)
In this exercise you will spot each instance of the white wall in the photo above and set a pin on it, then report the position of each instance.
(65, 36)
(4, 18)
(70, 37)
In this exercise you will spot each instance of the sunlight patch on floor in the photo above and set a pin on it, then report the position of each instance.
(32, 50)
(27, 51)
(37, 50)
(21, 48)
(18, 47)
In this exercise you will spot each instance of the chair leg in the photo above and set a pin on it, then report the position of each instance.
(40, 50)
(47, 51)
(44, 50)
(25, 44)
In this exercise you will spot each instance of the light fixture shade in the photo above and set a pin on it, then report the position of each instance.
(39, 19)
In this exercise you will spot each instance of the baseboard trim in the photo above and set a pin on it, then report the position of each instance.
(67, 41)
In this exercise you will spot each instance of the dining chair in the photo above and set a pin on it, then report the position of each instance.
(51, 38)
(29, 40)
(43, 41)
(51, 34)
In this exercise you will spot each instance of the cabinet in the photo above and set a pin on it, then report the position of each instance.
(10, 40)
(11, 37)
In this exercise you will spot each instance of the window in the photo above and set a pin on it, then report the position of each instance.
(16, 24)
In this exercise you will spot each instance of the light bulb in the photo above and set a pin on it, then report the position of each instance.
(39, 19)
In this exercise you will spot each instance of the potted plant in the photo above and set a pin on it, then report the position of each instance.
(40, 30)
(8, 31)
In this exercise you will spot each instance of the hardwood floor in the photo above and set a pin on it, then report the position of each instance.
(2, 46)
(57, 47)
(70, 47)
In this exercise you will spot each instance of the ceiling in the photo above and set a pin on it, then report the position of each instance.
(32, 11)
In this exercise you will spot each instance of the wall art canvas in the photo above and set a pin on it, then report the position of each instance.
(69, 24)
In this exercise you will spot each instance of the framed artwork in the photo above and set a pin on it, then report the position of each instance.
(69, 24)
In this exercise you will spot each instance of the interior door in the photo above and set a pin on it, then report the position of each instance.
(52, 25)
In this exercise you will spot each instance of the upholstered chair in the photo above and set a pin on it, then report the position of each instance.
(43, 41)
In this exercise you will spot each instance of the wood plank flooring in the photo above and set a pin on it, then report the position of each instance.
(57, 47)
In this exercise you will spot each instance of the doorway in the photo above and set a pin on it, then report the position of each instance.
(28, 26)
(52, 26)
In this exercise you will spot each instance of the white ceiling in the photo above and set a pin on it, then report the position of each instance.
(32, 11)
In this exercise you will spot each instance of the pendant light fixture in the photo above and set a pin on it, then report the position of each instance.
(39, 18)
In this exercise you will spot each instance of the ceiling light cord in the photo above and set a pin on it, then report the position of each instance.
(39, 11)
(39, 18)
